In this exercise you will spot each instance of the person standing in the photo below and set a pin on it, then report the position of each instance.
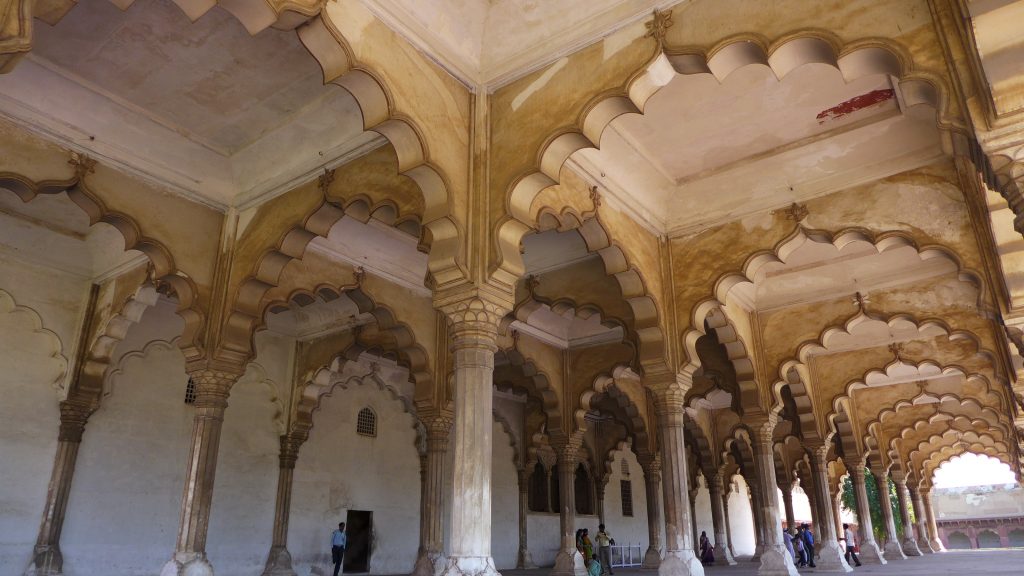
(809, 545)
(604, 543)
(850, 545)
(338, 542)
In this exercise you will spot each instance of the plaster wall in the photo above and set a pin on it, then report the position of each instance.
(338, 470)
(543, 536)
(702, 509)
(504, 502)
(627, 530)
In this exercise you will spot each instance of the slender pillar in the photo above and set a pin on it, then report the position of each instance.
(837, 510)
(430, 558)
(933, 528)
(728, 523)
(693, 520)
(757, 518)
(909, 544)
(212, 390)
(547, 489)
(830, 551)
(893, 549)
(787, 503)
(652, 488)
(46, 557)
(923, 542)
(473, 341)
(869, 551)
(718, 518)
(568, 561)
(524, 561)
(679, 558)
(775, 560)
(599, 486)
(279, 560)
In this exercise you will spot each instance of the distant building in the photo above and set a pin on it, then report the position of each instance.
(980, 516)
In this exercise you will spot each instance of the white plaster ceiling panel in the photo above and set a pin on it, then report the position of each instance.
(552, 249)
(209, 79)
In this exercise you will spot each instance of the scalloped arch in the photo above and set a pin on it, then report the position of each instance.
(542, 387)
(9, 306)
(606, 385)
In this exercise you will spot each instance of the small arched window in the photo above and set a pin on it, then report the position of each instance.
(366, 422)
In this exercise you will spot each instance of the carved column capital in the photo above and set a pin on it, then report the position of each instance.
(567, 448)
(74, 413)
(213, 387)
(438, 428)
(763, 429)
(290, 444)
(473, 317)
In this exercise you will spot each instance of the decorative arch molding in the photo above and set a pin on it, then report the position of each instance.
(948, 453)
(56, 347)
(606, 385)
(702, 445)
(541, 387)
(926, 447)
(260, 378)
(738, 443)
(118, 370)
(513, 439)
(947, 407)
(164, 270)
(623, 447)
(961, 427)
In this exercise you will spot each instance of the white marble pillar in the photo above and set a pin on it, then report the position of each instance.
(933, 528)
(893, 550)
(716, 487)
(787, 503)
(430, 559)
(923, 541)
(212, 390)
(830, 550)
(279, 559)
(599, 487)
(908, 543)
(652, 488)
(693, 520)
(869, 551)
(679, 559)
(775, 559)
(568, 561)
(46, 556)
(473, 337)
(754, 495)
(728, 523)
(524, 560)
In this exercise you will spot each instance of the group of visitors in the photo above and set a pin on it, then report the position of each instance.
(799, 542)
(602, 563)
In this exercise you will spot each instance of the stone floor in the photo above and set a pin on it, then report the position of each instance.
(997, 562)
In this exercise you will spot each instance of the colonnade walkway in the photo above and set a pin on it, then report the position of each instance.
(1001, 562)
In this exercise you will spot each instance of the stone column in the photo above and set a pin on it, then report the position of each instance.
(869, 551)
(910, 547)
(923, 542)
(524, 561)
(837, 511)
(775, 559)
(547, 489)
(693, 520)
(212, 390)
(754, 492)
(679, 558)
(652, 488)
(46, 557)
(473, 337)
(599, 486)
(568, 560)
(279, 560)
(830, 551)
(787, 503)
(933, 528)
(893, 550)
(718, 518)
(430, 559)
(728, 523)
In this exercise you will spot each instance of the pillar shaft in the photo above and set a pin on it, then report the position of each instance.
(830, 550)
(893, 549)
(212, 390)
(279, 560)
(775, 559)
(757, 518)
(566, 561)
(869, 551)
(923, 541)
(430, 559)
(716, 487)
(728, 523)
(652, 488)
(909, 544)
(933, 528)
(524, 560)
(46, 557)
(787, 503)
(693, 520)
(679, 559)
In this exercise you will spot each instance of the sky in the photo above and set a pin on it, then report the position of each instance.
(972, 470)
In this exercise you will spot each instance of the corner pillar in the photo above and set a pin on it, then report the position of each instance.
(46, 556)
(430, 559)
(775, 559)
(652, 488)
(830, 552)
(279, 560)
(212, 390)
(933, 528)
(524, 560)
(909, 544)
(716, 486)
(869, 551)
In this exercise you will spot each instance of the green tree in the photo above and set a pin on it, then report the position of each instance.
(877, 522)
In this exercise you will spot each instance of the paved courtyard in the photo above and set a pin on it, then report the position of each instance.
(997, 562)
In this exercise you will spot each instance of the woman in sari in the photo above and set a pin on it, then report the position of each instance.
(707, 551)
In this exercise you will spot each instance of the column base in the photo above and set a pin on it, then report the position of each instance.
(723, 556)
(279, 562)
(925, 546)
(46, 561)
(470, 566)
(910, 547)
(652, 558)
(776, 561)
(758, 549)
(524, 561)
(680, 563)
(429, 564)
(831, 558)
(870, 553)
(569, 564)
(894, 551)
(188, 564)
(937, 545)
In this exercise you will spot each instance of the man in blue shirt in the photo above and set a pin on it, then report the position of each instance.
(338, 542)
(809, 545)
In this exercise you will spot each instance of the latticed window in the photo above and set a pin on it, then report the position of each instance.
(190, 392)
(626, 492)
(366, 422)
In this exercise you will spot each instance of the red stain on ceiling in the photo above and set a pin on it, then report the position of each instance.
(872, 98)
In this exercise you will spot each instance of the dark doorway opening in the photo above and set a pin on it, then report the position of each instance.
(359, 527)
